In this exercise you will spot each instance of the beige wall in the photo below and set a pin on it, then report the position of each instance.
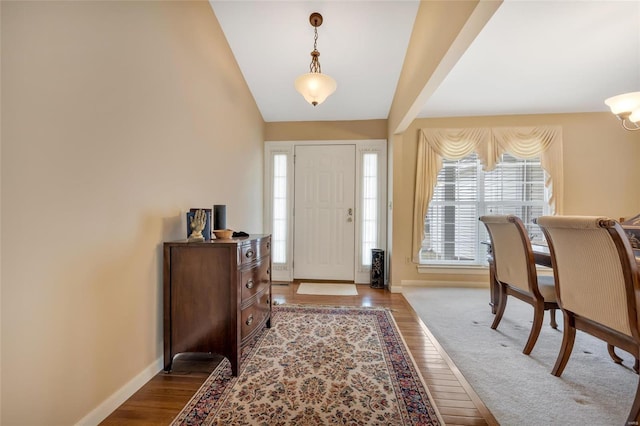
(601, 175)
(325, 130)
(117, 118)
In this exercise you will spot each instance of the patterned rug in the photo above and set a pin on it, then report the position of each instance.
(318, 366)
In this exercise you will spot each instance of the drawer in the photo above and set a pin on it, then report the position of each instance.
(254, 316)
(265, 246)
(254, 280)
(254, 250)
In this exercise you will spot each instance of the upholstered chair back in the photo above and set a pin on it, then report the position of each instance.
(511, 250)
(594, 268)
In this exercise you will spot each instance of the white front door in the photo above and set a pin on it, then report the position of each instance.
(324, 217)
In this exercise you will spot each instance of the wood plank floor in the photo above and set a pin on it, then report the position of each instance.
(162, 398)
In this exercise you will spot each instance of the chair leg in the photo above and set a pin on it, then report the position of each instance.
(553, 322)
(568, 338)
(613, 355)
(538, 318)
(502, 304)
(618, 360)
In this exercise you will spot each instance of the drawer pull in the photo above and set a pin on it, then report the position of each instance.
(249, 320)
(249, 284)
(268, 246)
(249, 254)
(268, 271)
(268, 301)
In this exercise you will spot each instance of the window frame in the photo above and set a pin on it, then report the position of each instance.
(284, 271)
(280, 271)
(482, 207)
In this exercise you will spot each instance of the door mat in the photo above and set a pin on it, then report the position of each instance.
(327, 289)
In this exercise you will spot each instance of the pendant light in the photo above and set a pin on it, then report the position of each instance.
(315, 86)
(627, 108)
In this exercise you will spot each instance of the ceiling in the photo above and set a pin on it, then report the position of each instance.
(532, 57)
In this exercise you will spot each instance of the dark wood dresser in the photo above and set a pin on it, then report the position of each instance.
(217, 295)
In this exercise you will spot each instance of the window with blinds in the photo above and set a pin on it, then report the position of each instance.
(369, 206)
(279, 214)
(464, 192)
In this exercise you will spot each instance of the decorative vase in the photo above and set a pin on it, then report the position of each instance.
(377, 268)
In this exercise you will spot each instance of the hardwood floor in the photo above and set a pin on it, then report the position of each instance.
(162, 398)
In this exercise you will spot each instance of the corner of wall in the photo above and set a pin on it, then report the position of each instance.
(107, 406)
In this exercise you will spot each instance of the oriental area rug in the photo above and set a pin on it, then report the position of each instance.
(318, 365)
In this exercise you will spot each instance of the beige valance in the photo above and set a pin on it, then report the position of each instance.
(489, 143)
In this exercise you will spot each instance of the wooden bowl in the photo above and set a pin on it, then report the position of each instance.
(223, 234)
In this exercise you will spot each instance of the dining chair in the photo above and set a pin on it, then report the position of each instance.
(597, 282)
(515, 272)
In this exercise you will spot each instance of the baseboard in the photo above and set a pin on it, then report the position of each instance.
(425, 283)
(454, 270)
(110, 404)
(395, 288)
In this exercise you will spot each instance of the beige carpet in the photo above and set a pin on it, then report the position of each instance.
(520, 389)
(327, 289)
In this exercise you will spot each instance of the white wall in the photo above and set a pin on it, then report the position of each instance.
(117, 117)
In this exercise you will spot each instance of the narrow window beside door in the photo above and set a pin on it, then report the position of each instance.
(279, 234)
(369, 206)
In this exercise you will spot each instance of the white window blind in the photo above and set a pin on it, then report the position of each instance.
(369, 206)
(464, 192)
(279, 234)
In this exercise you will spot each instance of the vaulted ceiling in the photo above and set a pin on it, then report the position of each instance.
(531, 57)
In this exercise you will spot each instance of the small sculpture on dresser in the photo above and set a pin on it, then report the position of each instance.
(197, 224)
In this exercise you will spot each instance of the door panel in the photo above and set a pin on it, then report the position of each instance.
(324, 217)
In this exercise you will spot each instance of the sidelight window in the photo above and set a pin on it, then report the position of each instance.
(370, 207)
(279, 234)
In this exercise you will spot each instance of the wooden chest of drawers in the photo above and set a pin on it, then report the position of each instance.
(217, 295)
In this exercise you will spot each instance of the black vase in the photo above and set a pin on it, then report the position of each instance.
(219, 216)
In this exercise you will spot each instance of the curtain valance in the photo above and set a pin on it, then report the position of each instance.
(489, 143)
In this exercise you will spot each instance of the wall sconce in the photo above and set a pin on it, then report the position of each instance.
(315, 86)
(627, 108)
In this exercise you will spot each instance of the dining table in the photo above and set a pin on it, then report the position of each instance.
(541, 256)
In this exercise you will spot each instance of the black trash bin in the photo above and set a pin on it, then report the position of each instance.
(377, 268)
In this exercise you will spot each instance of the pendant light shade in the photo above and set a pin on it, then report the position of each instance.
(314, 86)
(627, 108)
